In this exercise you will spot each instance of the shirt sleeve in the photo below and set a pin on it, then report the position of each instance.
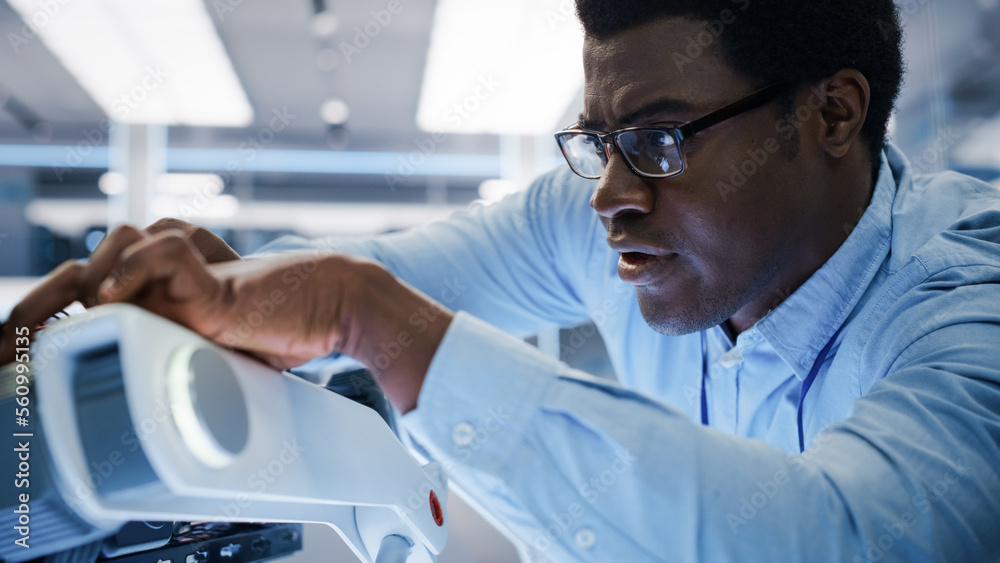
(511, 263)
(583, 469)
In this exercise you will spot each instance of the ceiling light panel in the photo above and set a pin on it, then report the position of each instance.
(501, 67)
(149, 61)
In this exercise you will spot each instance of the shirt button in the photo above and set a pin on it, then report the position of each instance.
(463, 434)
(585, 538)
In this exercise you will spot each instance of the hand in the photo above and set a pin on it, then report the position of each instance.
(211, 246)
(73, 281)
(284, 310)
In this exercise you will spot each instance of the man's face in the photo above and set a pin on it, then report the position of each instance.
(701, 246)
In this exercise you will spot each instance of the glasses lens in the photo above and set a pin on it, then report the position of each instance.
(651, 152)
(584, 153)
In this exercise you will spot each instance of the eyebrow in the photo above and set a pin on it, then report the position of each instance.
(663, 105)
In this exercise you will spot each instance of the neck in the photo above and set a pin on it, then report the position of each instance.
(826, 231)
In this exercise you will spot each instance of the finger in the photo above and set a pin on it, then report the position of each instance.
(276, 361)
(56, 292)
(169, 224)
(167, 258)
(103, 260)
(210, 245)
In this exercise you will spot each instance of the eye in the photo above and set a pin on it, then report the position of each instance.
(661, 139)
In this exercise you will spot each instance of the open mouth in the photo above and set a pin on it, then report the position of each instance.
(636, 258)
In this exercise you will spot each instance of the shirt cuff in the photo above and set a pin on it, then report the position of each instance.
(481, 393)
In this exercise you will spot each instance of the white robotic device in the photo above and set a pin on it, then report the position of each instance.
(190, 431)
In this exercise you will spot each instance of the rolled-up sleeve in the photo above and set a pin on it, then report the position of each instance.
(583, 469)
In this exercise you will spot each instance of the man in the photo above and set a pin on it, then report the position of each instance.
(809, 365)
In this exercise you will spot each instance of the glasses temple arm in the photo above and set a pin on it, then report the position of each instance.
(753, 101)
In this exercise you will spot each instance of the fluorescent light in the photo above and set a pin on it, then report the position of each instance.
(501, 67)
(189, 184)
(195, 208)
(75, 217)
(149, 61)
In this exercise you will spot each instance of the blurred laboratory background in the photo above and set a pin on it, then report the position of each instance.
(258, 118)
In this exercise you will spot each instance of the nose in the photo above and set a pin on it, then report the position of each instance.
(620, 190)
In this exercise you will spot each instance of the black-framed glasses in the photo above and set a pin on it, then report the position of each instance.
(652, 152)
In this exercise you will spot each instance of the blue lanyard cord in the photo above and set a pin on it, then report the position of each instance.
(806, 384)
(704, 374)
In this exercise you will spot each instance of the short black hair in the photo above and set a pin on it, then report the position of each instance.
(773, 41)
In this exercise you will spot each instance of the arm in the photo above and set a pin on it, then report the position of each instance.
(510, 264)
(910, 476)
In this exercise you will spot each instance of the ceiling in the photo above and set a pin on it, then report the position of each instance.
(280, 65)
(952, 50)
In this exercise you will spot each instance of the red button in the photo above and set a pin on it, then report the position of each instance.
(436, 511)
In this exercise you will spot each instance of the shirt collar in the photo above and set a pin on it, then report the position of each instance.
(801, 326)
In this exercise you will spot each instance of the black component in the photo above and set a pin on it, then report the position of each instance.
(134, 537)
(218, 542)
(260, 545)
(359, 386)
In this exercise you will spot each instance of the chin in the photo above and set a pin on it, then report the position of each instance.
(676, 318)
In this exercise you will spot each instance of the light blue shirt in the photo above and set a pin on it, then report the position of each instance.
(902, 422)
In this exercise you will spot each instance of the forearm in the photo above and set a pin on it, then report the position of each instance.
(653, 485)
(396, 332)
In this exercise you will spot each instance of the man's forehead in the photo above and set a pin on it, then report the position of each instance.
(638, 72)
(630, 115)
(631, 103)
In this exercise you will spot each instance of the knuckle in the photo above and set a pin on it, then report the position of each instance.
(125, 231)
(71, 268)
(173, 243)
(169, 223)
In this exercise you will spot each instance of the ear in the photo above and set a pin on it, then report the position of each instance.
(842, 101)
